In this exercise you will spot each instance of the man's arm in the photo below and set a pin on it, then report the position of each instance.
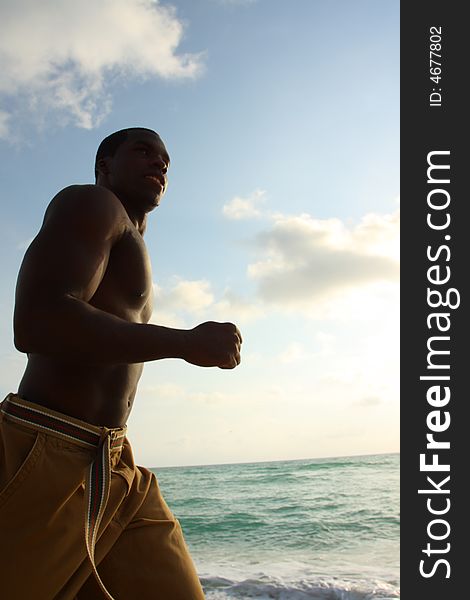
(62, 270)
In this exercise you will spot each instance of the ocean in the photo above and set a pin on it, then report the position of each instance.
(317, 529)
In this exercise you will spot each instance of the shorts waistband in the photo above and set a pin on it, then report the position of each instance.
(98, 478)
(36, 416)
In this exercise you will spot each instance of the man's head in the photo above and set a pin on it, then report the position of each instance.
(133, 163)
(112, 142)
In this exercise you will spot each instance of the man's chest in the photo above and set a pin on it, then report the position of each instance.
(126, 288)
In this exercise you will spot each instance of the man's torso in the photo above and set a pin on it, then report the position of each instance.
(101, 394)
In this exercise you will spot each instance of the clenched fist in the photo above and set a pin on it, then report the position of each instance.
(213, 344)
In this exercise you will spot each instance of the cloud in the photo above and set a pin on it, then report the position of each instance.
(4, 124)
(63, 56)
(232, 307)
(321, 267)
(189, 296)
(379, 234)
(244, 208)
(182, 302)
(306, 260)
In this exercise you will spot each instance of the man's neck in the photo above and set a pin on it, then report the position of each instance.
(138, 220)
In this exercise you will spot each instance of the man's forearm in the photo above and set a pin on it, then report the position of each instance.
(74, 329)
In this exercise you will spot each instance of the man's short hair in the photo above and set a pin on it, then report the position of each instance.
(111, 143)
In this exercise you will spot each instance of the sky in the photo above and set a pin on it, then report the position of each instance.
(281, 215)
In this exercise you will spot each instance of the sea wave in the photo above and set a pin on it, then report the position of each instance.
(269, 588)
(308, 533)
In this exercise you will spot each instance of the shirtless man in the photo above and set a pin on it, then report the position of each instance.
(83, 302)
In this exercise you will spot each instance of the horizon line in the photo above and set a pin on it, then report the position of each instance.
(252, 462)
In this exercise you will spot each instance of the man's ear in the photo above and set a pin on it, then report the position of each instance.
(103, 165)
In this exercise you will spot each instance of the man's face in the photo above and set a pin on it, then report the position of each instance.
(137, 173)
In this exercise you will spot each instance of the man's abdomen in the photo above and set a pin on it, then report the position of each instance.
(98, 394)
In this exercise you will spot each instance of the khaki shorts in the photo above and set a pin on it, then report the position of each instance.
(138, 546)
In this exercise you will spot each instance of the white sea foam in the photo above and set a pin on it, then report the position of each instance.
(269, 588)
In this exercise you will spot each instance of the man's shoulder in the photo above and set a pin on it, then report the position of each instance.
(88, 204)
(87, 197)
